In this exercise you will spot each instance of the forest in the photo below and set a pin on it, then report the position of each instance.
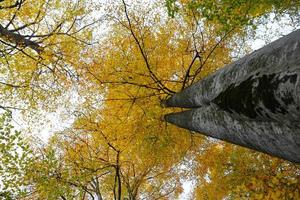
(83, 86)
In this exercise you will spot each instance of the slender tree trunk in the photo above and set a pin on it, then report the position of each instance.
(253, 102)
(97, 189)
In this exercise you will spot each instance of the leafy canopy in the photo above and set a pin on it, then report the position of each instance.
(118, 147)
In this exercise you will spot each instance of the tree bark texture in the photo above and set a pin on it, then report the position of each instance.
(18, 40)
(253, 102)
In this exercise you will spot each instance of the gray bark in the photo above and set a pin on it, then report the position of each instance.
(253, 102)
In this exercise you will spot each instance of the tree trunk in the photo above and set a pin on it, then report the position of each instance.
(253, 102)
(18, 40)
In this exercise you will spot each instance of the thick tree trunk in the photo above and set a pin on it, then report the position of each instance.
(18, 40)
(253, 102)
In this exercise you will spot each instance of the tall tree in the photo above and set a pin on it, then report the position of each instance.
(252, 102)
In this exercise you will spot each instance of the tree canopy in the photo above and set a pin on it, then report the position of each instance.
(117, 146)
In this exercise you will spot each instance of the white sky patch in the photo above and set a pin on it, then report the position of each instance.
(188, 188)
(44, 124)
(274, 29)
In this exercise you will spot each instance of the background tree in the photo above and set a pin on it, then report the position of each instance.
(237, 14)
(41, 42)
(15, 158)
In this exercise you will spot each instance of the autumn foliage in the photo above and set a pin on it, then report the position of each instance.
(118, 147)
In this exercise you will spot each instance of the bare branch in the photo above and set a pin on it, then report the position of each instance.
(144, 55)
